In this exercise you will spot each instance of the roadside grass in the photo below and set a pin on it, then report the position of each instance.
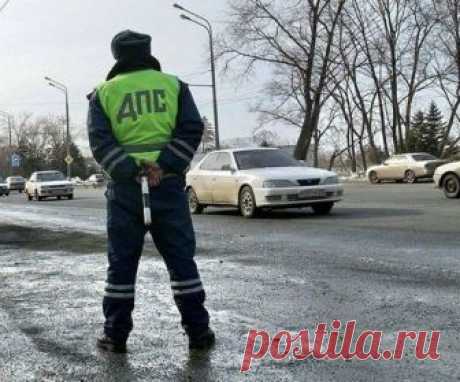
(65, 241)
(40, 239)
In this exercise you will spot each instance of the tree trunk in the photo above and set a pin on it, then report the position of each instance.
(303, 143)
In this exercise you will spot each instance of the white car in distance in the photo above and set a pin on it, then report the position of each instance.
(96, 180)
(254, 179)
(48, 184)
(16, 183)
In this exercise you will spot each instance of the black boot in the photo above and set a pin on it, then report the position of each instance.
(203, 340)
(108, 344)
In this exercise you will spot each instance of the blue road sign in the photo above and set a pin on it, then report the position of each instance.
(15, 160)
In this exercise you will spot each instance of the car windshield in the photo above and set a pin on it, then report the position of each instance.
(423, 157)
(247, 160)
(16, 179)
(50, 177)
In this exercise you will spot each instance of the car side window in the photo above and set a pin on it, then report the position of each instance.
(223, 162)
(210, 163)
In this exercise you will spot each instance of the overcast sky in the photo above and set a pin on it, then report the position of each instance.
(70, 41)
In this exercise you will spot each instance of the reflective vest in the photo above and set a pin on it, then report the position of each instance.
(142, 107)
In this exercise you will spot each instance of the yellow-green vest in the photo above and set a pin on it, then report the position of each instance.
(142, 107)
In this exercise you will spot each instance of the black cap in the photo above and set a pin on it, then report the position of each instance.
(128, 45)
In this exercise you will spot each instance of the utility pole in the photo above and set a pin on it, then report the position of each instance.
(206, 25)
(9, 119)
(60, 86)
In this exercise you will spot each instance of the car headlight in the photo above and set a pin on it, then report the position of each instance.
(278, 183)
(331, 180)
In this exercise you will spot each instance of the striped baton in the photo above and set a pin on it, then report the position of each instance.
(146, 201)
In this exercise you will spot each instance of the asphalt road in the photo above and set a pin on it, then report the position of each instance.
(387, 257)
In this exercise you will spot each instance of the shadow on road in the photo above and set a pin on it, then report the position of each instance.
(337, 214)
(363, 213)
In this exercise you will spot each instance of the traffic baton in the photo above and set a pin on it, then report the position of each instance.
(146, 201)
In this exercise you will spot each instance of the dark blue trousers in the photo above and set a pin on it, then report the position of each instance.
(174, 237)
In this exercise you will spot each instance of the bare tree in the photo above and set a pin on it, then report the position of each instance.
(395, 37)
(297, 40)
(369, 60)
(41, 143)
(448, 63)
(265, 138)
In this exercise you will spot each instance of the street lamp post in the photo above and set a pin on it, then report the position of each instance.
(206, 25)
(60, 86)
(9, 119)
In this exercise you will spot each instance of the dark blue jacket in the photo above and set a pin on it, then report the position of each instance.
(175, 158)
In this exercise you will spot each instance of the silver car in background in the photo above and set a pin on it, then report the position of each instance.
(254, 179)
(16, 183)
(96, 180)
(406, 168)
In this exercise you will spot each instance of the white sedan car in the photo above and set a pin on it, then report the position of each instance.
(48, 184)
(447, 178)
(254, 179)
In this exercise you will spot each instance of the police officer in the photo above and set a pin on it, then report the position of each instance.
(145, 122)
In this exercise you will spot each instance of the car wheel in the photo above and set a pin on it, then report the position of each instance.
(70, 197)
(451, 186)
(247, 203)
(193, 203)
(373, 178)
(322, 208)
(38, 197)
(59, 198)
(410, 177)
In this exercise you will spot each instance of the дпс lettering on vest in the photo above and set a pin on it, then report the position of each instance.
(133, 104)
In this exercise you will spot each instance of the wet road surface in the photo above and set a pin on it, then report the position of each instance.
(387, 257)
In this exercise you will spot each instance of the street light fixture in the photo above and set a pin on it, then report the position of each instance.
(61, 87)
(9, 119)
(206, 25)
